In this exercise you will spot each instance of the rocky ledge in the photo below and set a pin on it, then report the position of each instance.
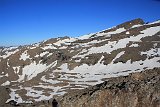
(141, 89)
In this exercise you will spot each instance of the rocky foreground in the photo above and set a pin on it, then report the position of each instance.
(136, 90)
(141, 89)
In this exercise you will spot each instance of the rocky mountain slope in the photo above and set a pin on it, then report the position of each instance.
(57, 66)
(136, 90)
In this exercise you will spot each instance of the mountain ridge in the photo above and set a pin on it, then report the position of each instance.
(56, 66)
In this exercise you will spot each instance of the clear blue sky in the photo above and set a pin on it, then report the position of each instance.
(29, 21)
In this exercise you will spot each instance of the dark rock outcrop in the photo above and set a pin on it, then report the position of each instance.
(4, 95)
(54, 103)
(136, 90)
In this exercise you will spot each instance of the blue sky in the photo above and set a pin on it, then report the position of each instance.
(29, 21)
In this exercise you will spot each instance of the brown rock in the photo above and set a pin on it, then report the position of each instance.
(136, 90)
(4, 95)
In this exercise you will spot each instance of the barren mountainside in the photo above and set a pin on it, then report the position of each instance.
(136, 90)
(51, 68)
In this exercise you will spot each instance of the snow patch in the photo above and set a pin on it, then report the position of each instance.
(49, 46)
(134, 26)
(127, 32)
(158, 21)
(24, 56)
(14, 97)
(33, 69)
(152, 52)
(117, 31)
(65, 41)
(16, 69)
(134, 45)
(85, 36)
(50, 80)
(7, 54)
(6, 83)
(44, 53)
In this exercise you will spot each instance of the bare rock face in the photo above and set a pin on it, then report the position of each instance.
(136, 90)
(4, 95)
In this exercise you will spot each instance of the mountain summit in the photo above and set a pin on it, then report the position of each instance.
(57, 66)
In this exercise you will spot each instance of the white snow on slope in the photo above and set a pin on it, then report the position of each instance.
(14, 97)
(33, 93)
(8, 65)
(158, 21)
(65, 41)
(7, 54)
(48, 46)
(152, 52)
(38, 95)
(10, 48)
(134, 45)
(49, 54)
(138, 25)
(33, 69)
(49, 80)
(32, 47)
(5, 83)
(114, 45)
(108, 34)
(127, 32)
(106, 71)
(85, 36)
(44, 53)
(91, 43)
(24, 56)
(117, 31)
(16, 69)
